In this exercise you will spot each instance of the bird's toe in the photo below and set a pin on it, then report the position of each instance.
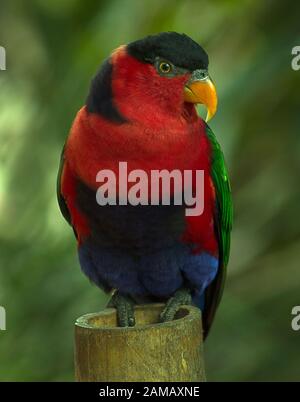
(125, 309)
(180, 298)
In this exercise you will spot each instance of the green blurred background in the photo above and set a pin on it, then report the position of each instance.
(53, 49)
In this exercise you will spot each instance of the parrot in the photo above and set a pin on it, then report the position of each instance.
(141, 108)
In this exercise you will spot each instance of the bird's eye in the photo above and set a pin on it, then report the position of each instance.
(165, 67)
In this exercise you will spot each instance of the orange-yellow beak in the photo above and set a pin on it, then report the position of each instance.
(200, 89)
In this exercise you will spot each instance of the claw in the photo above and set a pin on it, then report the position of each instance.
(181, 297)
(125, 309)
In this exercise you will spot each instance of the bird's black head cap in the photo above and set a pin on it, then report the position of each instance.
(177, 48)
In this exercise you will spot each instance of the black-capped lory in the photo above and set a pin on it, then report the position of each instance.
(140, 109)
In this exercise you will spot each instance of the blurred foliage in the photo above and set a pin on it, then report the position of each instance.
(53, 49)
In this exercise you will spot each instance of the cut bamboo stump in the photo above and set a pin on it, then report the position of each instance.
(150, 351)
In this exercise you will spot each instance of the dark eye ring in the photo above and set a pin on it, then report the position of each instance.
(165, 67)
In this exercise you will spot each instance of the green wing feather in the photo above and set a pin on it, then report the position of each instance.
(223, 224)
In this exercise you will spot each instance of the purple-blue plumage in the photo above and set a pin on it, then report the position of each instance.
(138, 250)
(156, 275)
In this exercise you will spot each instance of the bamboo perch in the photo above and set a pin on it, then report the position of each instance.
(150, 351)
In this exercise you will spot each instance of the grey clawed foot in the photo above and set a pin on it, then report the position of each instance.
(125, 309)
(181, 296)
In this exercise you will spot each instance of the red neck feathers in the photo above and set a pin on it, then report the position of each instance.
(161, 132)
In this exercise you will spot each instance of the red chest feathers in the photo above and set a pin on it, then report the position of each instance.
(95, 144)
